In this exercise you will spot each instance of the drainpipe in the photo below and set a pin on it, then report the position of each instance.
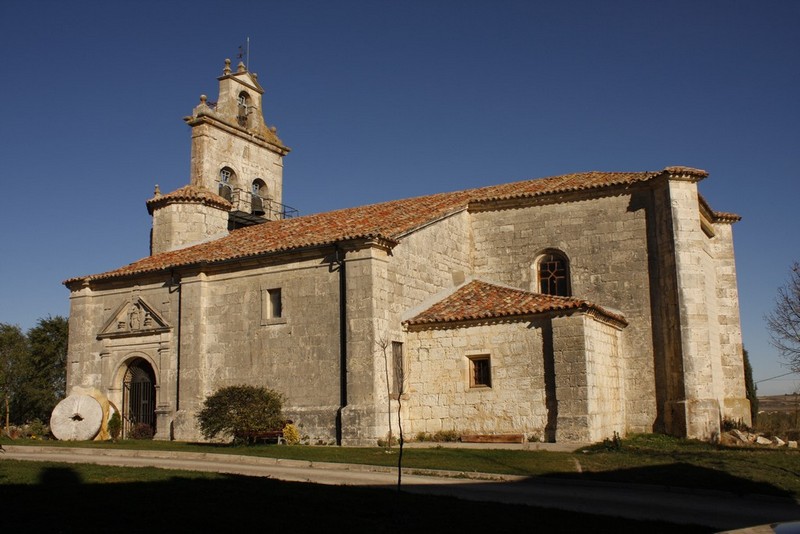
(177, 287)
(341, 267)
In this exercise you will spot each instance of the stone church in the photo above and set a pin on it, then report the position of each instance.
(564, 308)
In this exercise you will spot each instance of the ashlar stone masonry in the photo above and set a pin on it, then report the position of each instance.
(565, 308)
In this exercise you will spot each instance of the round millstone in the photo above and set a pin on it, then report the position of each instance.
(76, 418)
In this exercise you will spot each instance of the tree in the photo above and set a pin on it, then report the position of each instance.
(783, 322)
(13, 352)
(400, 377)
(383, 345)
(44, 369)
(241, 412)
(750, 387)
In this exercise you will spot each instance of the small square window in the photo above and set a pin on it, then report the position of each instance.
(480, 372)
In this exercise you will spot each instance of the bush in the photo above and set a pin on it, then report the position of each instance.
(729, 424)
(387, 442)
(423, 436)
(446, 436)
(778, 423)
(241, 412)
(115, 426)
(36, 430)
(141, 431)
(291, 434)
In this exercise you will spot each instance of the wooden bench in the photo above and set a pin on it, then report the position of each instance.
(269, 436)
(493, 438)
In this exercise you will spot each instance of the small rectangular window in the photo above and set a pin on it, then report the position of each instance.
(271, 306)
(275, 309)
(480, 372)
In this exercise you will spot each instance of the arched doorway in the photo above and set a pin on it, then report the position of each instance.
(139, 396)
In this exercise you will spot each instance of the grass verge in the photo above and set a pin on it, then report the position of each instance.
(643, 459)
(86, 498)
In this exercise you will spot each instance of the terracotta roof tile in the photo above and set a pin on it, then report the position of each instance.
(188, 193)
(718, 216)
(390, 220)
(481, 300)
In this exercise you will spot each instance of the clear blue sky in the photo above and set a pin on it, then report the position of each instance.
(384, 100)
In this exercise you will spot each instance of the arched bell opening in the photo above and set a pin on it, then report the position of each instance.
(138, 396)
(258, 190)
(227, 182)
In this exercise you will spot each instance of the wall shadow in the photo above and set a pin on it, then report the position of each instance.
(60, 503)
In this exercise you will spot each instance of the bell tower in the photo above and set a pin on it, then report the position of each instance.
(234, 153)
(236, 174)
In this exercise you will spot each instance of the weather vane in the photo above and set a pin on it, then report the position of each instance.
(244, 54)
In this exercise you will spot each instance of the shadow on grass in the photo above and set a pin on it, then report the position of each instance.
(61, 503)
(682, 475)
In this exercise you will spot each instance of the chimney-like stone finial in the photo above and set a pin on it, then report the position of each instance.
(241, 67)
(157, 192)
(227, 69)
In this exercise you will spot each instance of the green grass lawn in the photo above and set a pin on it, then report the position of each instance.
(647, 459)
(38, 496)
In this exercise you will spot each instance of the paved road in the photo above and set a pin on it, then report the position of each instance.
(714, 509)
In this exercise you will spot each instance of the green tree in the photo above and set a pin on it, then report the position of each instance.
(13, 353)
(44, 370)
(241, 412)
(750, 386)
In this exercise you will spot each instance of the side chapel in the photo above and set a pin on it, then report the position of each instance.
(564, 308)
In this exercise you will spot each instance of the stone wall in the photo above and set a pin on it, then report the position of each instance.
(231, 340)
(735, 405)
(425, 263)
(606, 242)
(99, 359)
(181, 224)
(590, 389)
(215, 147)
(440, 396)
(694, 412)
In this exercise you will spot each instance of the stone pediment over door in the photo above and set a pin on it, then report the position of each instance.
(134, 318)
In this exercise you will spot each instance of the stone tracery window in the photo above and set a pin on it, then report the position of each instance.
(552, 270)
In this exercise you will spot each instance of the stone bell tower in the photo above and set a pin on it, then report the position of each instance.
(236, 174)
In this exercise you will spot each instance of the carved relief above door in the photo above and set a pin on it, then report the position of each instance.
(133, 318)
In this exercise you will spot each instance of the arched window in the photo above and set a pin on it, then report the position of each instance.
(226, 179)
(259, 195)
(244, 103)
(552, 273)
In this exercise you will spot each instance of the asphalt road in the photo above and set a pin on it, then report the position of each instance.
(718, 510)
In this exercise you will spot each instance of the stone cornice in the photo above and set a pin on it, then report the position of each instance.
(552, 198)
(205, 115)
(237, 76)
(244, 262)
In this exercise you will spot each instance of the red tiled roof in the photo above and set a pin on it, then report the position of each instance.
(188, 193)
(389, 220)
(480, 300)
(718, 216)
